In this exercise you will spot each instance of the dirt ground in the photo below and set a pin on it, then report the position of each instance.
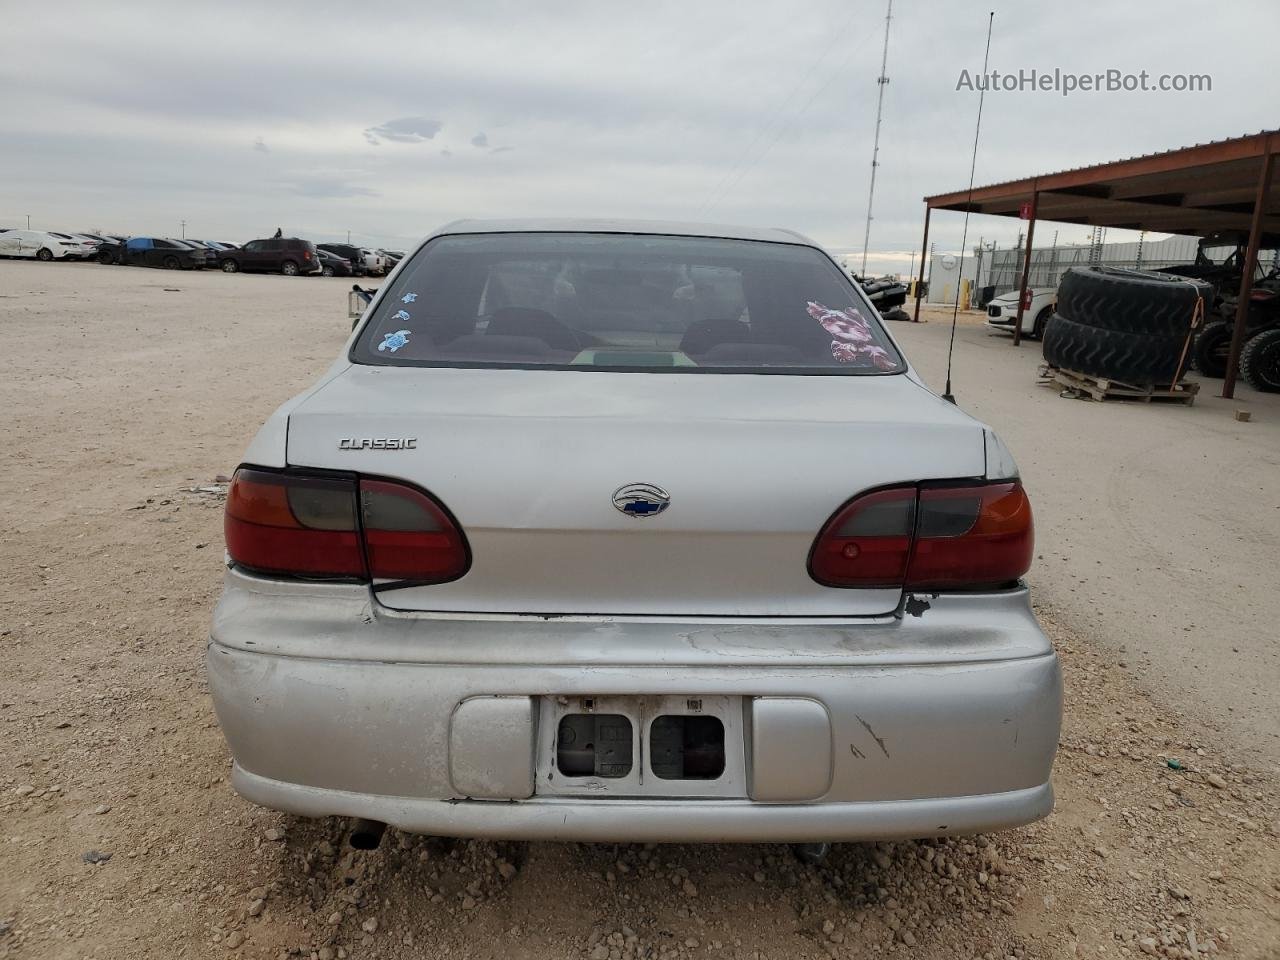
(128, 394)
(1157, 525)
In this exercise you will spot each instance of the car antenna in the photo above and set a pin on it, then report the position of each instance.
(964, 235)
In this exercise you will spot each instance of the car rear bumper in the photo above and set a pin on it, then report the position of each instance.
(660, 821)
(942, 722)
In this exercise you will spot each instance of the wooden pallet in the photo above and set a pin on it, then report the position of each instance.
(1104, 388)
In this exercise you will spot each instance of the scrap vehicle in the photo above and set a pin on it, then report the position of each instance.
(153, 252)
(624, 531)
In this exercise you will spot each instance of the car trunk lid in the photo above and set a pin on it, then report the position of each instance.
(529, 463)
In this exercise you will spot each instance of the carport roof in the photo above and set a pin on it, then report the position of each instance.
(1195, 190)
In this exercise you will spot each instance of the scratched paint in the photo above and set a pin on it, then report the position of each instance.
(879, 740)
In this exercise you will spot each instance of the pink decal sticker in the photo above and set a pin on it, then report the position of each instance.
(853, 340)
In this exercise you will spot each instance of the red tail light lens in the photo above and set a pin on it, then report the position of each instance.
(289, 524)
(868, 543)
(408, 535)
(278, 523)
(938, 537)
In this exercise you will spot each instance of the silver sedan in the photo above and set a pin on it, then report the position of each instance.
(632, 531)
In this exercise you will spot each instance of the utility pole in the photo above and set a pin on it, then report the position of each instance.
(28, 221)
(348, 238)
(184, 229)
(882, 81)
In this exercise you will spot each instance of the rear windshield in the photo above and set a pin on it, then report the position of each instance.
(625, 302)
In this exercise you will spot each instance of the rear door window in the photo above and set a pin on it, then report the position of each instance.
(626, 302)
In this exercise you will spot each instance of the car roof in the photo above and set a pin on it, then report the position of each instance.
(656, 227)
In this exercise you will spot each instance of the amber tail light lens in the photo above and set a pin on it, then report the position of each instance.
(961, 536)
(346, 528)
(971, 537)
(282, 524)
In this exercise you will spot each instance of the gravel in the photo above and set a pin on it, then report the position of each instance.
(184, 868)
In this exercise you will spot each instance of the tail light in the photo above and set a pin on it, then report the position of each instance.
(868, 542)
(953, 536)
(408, 536)
(288, 524)
(306, 254)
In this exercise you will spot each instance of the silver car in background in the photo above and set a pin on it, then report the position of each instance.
(632, 531)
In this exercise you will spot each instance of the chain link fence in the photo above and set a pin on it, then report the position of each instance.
(1002, 269)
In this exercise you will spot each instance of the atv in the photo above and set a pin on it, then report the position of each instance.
(1213, 344)
(1225, 275)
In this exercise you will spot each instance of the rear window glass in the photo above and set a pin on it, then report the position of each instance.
(625, 302)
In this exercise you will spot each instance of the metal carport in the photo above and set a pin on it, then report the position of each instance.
(1198, 190)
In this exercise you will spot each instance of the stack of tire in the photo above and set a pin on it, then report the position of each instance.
(1128, 325)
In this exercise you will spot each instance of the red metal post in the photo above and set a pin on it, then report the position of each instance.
(924, 255)
(1246, 281)
(1026, 268)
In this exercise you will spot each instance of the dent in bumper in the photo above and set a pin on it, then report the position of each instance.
(332, 706)
(897, 732)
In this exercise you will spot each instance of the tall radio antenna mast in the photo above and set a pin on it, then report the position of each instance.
(882, 81)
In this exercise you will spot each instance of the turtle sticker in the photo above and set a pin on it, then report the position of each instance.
(400, 315)
(852, 340)
(394, 341)
(409, 298)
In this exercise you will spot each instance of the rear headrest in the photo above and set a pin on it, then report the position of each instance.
(531, 322)
(702, 335)
(480, 345)
(763, 354)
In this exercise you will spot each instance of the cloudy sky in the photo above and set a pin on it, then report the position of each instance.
(240, 118)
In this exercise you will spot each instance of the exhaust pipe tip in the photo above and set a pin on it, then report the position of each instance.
(366, 834)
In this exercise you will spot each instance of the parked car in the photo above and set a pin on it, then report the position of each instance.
(1002, 311)
(374, 262)
(110, 249)
(42, 245)
(391, 258)
(155, 252)
(85, 248)
(210, 253)
(287, 255)
(353, 255)
(332, 265)
(637, 556)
